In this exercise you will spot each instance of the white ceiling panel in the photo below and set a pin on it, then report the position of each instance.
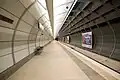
(61, 8)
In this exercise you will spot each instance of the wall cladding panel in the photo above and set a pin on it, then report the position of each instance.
(5, 48)
(34, 31)
(21, 36)
(20, 45)
(17, 9)
(32, 37)
(8, 62)
(24, 27)
(6, 34)
(39, 33)
(32, 48)
(38, 41)
(20, 55)
(29, 18)
(31, 43)
(37, 44)
(38, 37)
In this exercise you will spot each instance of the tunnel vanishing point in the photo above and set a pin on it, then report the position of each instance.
(75, 39)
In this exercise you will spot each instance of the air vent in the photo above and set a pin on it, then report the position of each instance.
(8, 20)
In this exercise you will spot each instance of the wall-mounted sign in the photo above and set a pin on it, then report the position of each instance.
(68, 39)
(87, 40)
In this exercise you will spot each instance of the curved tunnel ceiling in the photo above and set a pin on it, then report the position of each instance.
(61, 10)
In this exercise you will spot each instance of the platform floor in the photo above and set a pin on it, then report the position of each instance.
(55, 63)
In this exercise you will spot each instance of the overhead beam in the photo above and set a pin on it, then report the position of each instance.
(49, 4)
